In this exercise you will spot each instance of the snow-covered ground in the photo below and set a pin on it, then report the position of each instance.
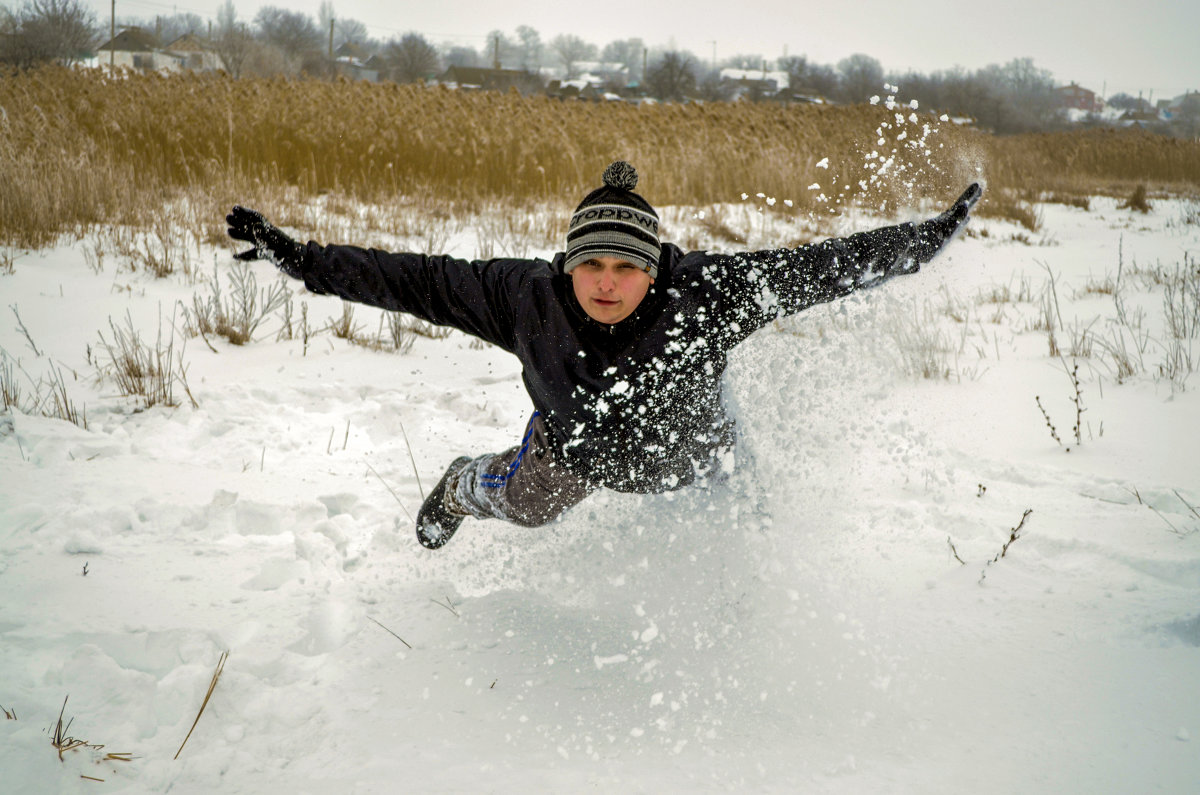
(806, 625)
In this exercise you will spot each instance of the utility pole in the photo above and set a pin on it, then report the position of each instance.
(112, 34)
(331, 40)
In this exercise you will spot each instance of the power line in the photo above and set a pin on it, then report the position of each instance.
(173, 7)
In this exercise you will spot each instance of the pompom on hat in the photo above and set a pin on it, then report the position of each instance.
(614, 221)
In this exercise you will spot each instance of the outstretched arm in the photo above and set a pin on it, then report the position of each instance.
(472, 296)
(786, 281)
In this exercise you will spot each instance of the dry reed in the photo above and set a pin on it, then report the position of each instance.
(212, 685)
(80, 147)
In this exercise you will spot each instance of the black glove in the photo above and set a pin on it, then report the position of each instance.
(269, 243)
(931, 235)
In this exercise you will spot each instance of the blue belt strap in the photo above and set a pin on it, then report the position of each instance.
(499, 481)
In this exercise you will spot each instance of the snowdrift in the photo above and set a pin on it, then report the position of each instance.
(862, 604)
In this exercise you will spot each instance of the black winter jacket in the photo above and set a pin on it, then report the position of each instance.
(633, 406)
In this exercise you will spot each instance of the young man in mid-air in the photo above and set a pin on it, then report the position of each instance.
(622, 339)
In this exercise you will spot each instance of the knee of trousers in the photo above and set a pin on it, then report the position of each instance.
(536, 521)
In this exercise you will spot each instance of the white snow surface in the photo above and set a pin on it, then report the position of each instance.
(800, 627)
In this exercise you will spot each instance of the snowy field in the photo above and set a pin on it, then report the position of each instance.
(836, 617)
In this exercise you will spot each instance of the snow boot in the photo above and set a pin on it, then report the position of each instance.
(437, 521)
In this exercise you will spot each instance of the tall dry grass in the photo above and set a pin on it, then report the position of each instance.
(1097, 161)
(80, 147)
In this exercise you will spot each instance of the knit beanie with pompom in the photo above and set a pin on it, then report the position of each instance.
(614, 221)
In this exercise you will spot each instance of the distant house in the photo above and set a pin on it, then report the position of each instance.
(586, 89)
(134, 48)
(565, 89)
(352, 49)
(803, 99)
(1183, 114)
(1144, 119)
(355, 69)
(753, 83)
(602, 72)
(194, 54)
(1079, 98)
(480, 79)
(1188, 103)
(378, 66)
(352, 60)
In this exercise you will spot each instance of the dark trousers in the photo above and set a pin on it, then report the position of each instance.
(523, 485)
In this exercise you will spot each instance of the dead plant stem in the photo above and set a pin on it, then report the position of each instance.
(211, 687)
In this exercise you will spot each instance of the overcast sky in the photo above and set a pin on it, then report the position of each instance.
(1106, 45)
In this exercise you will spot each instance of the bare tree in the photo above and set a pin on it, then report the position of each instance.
(344, 30)
(1017, 97)
(460, 56)
(796, 68)
(1123, 101)
(822, 80)
(176, 25)
(808, 78)
(672, 76)
(231, 42)
(327, 19)
(61, 31)
(711, 88)
(9, 28)
(350, 30)
(862, 77)
(267, 60)
(628, 53)
(1024, 78)
(295, 35)
(571, 50)
(953, 91)
(530, 48)
(411, 58)
(1032, 91)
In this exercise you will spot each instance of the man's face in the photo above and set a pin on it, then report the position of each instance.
(608, 288)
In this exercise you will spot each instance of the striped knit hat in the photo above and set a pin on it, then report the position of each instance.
(614, 221)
